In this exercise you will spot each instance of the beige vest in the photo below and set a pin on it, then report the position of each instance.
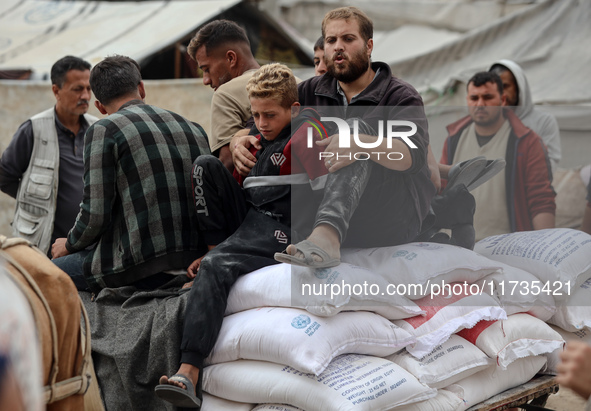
(37, 192)
(491, 216)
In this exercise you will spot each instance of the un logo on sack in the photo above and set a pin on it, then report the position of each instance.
(321, 273)
(400, 253)
(301, 321)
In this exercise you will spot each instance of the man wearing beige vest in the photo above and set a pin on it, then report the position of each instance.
(42, 166)
(520, 198)
(222, 51)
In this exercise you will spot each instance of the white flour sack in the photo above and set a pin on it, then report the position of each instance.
(415, 267)
(304, 341)
(446, 315)
(519, 336)
(323, 292)
(574, 313)
(494, 380)
(554, 356)
(444, 401)
(267, 287)
(349, 383)
(519, 292)
(449, 362)
(559, 257)
(212, 403)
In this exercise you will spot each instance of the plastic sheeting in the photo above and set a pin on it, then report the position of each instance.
(457, 15)
(549, 40)
(409, 41)
(34, 34)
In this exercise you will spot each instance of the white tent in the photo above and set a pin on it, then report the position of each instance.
(34, 34)
(409, 41)
(548, 39)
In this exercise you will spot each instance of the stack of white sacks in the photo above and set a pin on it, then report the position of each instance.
(517, 299)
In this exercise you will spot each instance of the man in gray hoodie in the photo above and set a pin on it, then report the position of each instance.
(518, 96)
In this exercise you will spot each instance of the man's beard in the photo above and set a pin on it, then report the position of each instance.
(358, 64)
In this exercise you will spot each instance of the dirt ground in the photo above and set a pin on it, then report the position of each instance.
(565, 400)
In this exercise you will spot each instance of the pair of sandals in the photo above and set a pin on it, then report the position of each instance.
(472, 173)
(186, 397)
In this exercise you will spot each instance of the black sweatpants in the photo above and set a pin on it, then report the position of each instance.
(252, 239)
(251, 247)
(218, 198)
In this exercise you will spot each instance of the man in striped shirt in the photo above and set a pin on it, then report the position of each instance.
(136, 220)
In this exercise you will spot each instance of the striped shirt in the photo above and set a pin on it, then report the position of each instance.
(137, 207)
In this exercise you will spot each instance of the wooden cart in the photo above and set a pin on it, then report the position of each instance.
(527, 396)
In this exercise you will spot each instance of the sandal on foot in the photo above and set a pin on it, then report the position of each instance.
(492, 168)
(308, 249)
(465, 172)
(181, 397)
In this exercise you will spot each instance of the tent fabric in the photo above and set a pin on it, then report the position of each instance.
(34, 34)
(409, 41)
(541, 38)
(456, 15)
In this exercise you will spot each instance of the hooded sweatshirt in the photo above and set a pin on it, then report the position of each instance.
(543, 124)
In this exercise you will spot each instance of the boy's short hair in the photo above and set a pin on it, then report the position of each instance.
(274, 81)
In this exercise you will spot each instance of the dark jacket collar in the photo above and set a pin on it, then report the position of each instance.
(374, 92)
